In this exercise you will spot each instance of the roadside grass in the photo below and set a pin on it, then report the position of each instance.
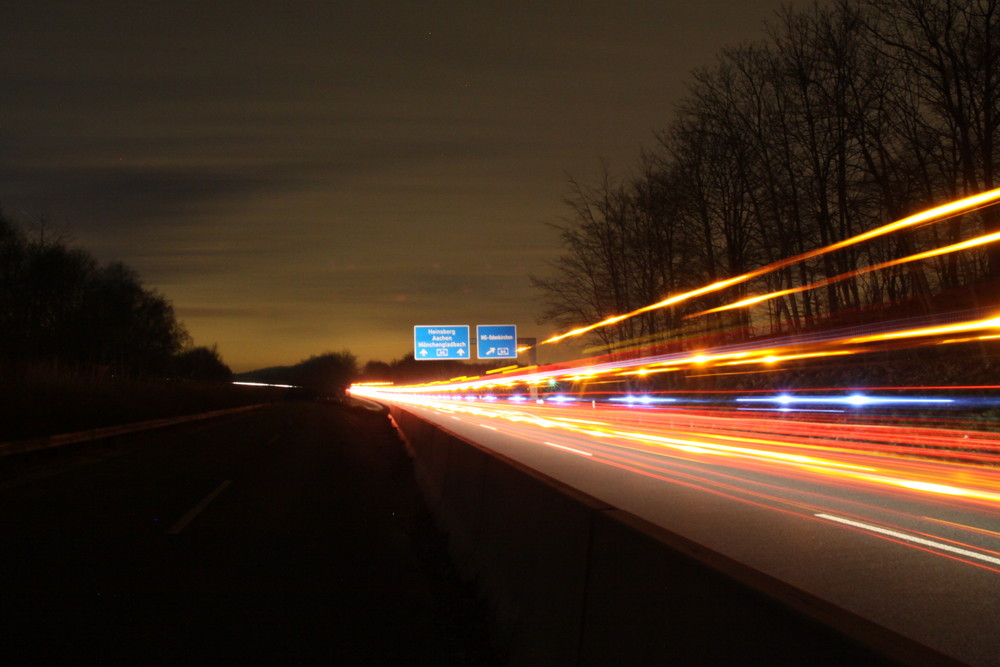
(37, 402)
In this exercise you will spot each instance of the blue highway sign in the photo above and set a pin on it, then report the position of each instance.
(496, 341)
(441, 342)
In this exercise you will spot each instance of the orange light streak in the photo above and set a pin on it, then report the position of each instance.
(832, 471)
(754, 300)
(505, 369)
(808, 349)
(774, 358)
(928, 215)
(831, 456)
(972, 325)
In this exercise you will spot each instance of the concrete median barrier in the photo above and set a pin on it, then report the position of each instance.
(573, 581)
(533, 544)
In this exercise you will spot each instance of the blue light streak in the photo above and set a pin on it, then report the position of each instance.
(852, 400)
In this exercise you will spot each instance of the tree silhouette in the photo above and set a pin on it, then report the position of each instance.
(58, 306)
(839, 120)
(326, 374)
(200, 363)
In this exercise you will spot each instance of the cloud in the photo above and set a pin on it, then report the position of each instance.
(241, 156)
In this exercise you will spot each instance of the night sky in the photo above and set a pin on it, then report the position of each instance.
(301, 177)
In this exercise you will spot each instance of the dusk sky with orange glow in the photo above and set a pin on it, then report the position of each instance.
(312, 176)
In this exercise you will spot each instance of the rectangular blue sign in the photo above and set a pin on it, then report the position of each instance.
(441, 342)
(496, 341)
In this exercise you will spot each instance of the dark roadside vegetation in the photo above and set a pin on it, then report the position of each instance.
(43, 402)
(841, 118)
(85, 345)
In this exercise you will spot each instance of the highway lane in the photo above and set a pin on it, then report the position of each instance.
(910, 542)
(293, 534)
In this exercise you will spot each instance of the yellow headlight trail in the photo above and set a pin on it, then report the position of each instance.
(956, 247)
(707, 444)
(938, 212)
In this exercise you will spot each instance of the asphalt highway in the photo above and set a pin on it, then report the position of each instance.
(873, 519)
(293, 534)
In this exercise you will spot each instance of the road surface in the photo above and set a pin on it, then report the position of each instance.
(293, 534)
(870, 518)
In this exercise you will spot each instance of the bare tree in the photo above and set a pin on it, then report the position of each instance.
(948, 52)
(842, 119)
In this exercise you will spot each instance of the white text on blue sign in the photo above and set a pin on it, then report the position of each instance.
(496, 341)
(441, 342)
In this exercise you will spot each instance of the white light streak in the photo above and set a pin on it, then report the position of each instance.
(911, 538)
(568, 449)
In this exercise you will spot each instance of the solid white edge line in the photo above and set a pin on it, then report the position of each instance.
(568, 449)
(196, 510)
(911, 538)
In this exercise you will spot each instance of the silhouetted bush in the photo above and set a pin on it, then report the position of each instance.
(200, 363)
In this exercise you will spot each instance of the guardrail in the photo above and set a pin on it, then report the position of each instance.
(574, 581)
(48, 442)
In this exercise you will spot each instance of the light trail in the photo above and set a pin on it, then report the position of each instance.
(929, 215)
(974, 325)
(568, 449)
(859, 453)
(913, 538)
(766, 353)
(890, 476)
(937, 252)
(893, 477)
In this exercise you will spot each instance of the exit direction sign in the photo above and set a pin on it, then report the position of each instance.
(496, 341)
(441, 342)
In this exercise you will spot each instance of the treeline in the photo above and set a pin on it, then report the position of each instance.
(409, 370)
(61, 309)
(330, 373)
(327, 374)
(841, 119)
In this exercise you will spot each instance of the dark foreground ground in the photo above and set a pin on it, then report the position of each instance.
(294, 534)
